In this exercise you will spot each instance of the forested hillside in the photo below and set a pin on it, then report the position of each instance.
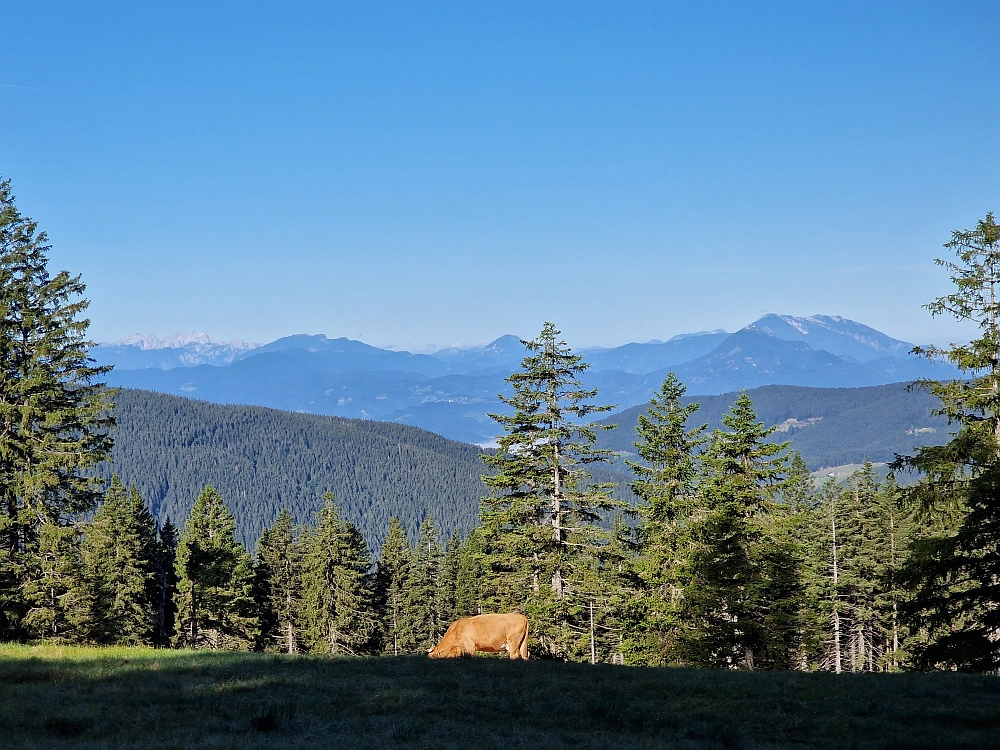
(262, 460)
(828, 426)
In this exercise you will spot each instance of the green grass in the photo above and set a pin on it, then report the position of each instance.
(56, 697)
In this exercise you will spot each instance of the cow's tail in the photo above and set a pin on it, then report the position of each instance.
(523, 649)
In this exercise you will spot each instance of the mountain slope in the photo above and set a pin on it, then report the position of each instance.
(834, 334)
(828, 426)
(262, 460)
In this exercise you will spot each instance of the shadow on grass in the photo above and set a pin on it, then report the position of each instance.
(104, 698)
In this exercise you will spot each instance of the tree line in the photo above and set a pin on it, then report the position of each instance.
(730, 557)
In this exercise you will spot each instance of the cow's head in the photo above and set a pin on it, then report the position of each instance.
(433, 652)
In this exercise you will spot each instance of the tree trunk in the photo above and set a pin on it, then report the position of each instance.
(836, 600)
(593, 650)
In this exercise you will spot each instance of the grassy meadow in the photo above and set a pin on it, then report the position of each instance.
(68, 697)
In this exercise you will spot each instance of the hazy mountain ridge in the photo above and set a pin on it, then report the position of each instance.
(452, 391)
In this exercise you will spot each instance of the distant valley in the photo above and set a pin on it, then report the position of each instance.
(451, 391)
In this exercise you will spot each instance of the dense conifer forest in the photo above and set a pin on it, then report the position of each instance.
(724, 553)
(264, 460)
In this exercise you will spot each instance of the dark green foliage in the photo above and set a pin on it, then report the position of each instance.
(741, 598)
(392, 582)
(955, 569)
(263, 460)
(338, 601)
(666, 486)
(831, 427)
(54, 425)
(468, 579)
(215, 604)
(426, 592)
(279, 585)
(540, 524)
(120, 550)
(166, 583)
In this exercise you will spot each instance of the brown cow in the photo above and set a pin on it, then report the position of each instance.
(490, 633)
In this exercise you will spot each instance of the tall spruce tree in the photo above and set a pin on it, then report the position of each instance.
(166, 582)
(666, 487)
(279, 576)
(742, 595)
(337, 590)
(423, 620)
(215, 603)
(954, 572)
(468, 580)
(119, 558)
(392, 582)
(54, 421)
(540, 524)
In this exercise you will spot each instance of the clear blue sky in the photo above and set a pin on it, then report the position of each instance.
(434, 173)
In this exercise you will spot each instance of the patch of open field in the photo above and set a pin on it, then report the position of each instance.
(56, 697)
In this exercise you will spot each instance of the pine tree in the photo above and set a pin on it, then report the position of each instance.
(423, 620)
(665, 486)
(215, 605)
(338, 598)
(119, 557)
(54, 421)
(540, 524)
(742, 594)
(279, 576)
(392, 581)
(166, 583)
(954, 572)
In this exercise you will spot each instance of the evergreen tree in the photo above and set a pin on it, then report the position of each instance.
(338, 600)
(54, 422)
(279, 575)
(540, 524)
(665, 486)
(855, 544)
(392, 581)
(55, 585)
(954, 572)
(166, 583)
(215, 605)
(423, 620)
(741, 599)
(451, 563)
(119, 557)
(468, 579)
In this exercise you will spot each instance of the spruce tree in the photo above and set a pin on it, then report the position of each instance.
(337, 590)
(166, 582)
(540, 524)
(215, 604)
(954, 572)
(468, 580)
(742, 595)
(392, 581)
(54, 421)
(666, 488)
(279, 576)
(423, 621)
(119, 557)
(451, 563)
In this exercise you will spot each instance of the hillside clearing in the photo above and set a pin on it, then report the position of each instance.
(140, 698)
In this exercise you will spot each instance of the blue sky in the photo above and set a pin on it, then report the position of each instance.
(440, 173)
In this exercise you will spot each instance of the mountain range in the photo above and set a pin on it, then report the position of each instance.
(451, 391)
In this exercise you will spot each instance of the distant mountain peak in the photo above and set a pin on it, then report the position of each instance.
(178, 340)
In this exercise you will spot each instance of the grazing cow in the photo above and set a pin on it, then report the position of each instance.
(490, 633)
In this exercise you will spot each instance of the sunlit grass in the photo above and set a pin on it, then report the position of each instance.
(65, 697)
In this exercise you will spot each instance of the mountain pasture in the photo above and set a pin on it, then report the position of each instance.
(83, 698)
